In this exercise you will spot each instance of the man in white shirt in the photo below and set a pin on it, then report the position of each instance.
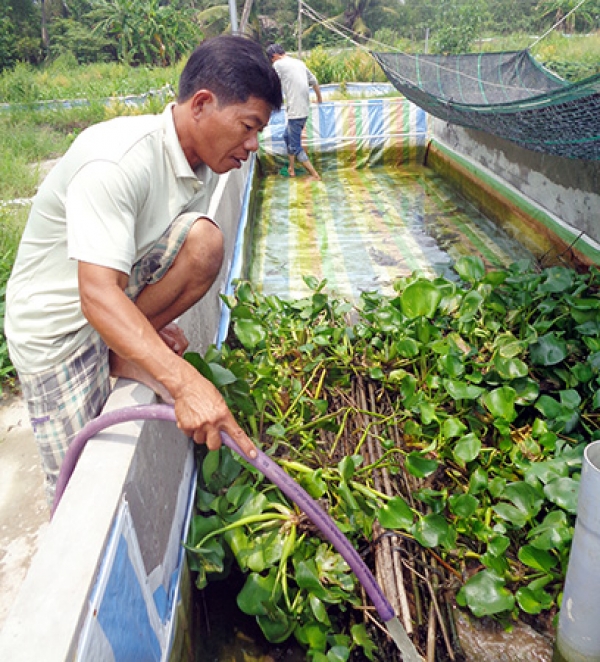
(296, 81)
(118, 245)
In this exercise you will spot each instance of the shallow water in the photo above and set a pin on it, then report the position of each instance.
(362, 229)
(223, 633)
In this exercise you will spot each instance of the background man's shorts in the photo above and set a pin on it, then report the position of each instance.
(293, 138)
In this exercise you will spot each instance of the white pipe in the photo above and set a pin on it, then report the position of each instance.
(233, 16)
(578, 635)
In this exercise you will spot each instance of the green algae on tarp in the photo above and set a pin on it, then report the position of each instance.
(362, 229)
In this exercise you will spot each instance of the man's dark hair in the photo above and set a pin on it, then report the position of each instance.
(234, 68)
(275, 49)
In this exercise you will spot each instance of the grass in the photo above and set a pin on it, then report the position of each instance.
(12, 222)
(343, 66)
(571, 57)
(65, 79)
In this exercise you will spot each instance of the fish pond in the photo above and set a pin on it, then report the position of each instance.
(361, 229)
(422, 375)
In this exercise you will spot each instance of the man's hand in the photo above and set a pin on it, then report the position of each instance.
(317, 90)
(202, 414)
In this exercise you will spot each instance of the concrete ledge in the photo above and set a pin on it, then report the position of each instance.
(50, 609)
(554, 196)
(547, 236)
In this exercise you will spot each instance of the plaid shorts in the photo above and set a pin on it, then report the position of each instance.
(62, 399)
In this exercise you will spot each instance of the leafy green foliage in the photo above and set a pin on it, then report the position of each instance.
(494, 384)
(145, 31)
(295, 583)
(154, 32)
(569, 14)
(10, 234)
(457, 24)
(76, 39)
(19, 32)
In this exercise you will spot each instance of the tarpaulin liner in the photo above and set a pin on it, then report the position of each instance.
(357, 133)
(362, 229)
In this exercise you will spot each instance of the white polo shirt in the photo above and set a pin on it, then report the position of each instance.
(107, 201)
(296, 81)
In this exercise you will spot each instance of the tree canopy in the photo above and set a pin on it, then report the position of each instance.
(159, 32)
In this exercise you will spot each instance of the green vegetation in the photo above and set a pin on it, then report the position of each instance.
(159, 33)
(573, 58)
(11, 227)
(343, 67)
(483, 395)
(65, 79)
(493, 384)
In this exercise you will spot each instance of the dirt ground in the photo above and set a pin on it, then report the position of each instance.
(24, 513)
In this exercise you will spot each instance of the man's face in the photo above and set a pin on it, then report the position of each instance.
(222, 137)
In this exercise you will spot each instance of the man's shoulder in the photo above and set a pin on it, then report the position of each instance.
(116, 136)
(289, 62)
(126, 125)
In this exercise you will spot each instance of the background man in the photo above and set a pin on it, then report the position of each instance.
(118, 245)
(296, 80)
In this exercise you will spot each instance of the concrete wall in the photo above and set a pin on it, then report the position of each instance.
(106, 583)
(564, 193)
(227, 208)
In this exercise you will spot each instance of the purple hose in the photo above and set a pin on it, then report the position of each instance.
(263, 463)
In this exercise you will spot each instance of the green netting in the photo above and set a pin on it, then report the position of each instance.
(506, 94)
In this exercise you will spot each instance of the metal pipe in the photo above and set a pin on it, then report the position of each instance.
(233, 16)
(578, 634)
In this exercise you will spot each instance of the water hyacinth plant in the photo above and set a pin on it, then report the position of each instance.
(482, 394)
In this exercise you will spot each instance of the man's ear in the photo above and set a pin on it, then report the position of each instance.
(202, 101)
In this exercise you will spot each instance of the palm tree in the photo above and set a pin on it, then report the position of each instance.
(350, 16)
(214, 20)
(246, 15)
(569, 13)
(145, 31)
(356, 18)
